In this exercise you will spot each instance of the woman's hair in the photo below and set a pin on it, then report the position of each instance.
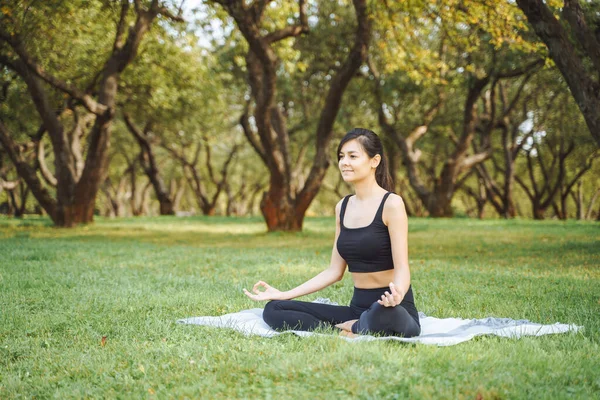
(373, 146)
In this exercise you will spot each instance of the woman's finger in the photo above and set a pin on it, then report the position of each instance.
(385, 301)
(391, 300)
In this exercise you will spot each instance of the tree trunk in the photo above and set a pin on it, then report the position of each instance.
(439, 207)
(591, 204)
(19, 209)
(209, 209)
(538, 212)
(557, 211)
(563, 206)
(289, 195)
(579, 201)
(279, 212)
(150, 167)
(166, 207)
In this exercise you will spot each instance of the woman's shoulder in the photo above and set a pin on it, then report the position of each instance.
(341, 201)
(338, 206)
(394, 204)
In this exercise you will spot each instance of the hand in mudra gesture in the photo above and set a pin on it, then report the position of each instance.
(391, 299)
(270, 293)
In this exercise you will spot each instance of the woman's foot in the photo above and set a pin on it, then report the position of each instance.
(347, 334)
(346, 328)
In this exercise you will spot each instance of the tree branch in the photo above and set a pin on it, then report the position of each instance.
(41, 158)
(27, 173)
(121, 25)
(470, 161)
(251, 136)
(291, 30)
(85, 99)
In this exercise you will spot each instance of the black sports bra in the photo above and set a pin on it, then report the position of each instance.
(368, 248)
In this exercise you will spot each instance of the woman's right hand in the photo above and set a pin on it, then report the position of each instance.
(270, 293)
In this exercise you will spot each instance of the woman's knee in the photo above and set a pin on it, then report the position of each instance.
(383, 320)
(270, 311)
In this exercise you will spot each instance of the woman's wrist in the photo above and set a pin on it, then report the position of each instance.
(399, 290)
(285, 295)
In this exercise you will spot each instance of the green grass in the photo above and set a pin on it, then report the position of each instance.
(129, 280)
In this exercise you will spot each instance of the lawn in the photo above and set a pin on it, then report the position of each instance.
(90, 312)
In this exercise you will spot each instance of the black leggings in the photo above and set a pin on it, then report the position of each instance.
(373, 318)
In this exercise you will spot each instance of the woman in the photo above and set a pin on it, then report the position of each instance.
(371, 238)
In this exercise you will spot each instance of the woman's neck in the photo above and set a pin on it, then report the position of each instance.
(367, 189)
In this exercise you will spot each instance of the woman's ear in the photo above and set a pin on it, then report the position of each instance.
(375, 161)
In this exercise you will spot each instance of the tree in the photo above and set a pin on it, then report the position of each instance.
(498, 184)
(150, 166)
(285, 203)
(10, 186)
(445, 55)
(575, 48)
(75, 194)
(542, 193)
(196, 181)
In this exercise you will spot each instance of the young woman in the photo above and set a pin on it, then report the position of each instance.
(371, 239)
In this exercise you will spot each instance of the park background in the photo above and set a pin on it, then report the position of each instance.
(145, 108)
(186, 149)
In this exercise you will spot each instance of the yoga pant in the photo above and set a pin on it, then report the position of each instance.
(373, 318)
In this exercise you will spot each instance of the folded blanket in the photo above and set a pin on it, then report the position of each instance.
(434, 331)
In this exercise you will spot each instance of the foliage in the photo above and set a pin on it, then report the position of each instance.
(189, 80)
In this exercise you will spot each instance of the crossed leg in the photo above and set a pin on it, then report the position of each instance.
(306, 316)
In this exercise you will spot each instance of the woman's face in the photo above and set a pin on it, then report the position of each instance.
(354, 162)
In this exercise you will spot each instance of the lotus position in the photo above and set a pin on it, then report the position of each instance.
(371, 239)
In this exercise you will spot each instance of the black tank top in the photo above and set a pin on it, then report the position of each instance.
(366, 249)
(369, 249)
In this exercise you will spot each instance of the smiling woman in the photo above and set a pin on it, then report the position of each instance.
(371, 239)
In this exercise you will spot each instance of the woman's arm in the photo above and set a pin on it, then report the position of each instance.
(397, 222)
(334, 273)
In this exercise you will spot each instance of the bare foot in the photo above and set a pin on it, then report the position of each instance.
(346, 326)
(347, 334)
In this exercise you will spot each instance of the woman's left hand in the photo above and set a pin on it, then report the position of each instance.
(391, 299)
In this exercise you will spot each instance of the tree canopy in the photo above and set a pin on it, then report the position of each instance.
(123, 107)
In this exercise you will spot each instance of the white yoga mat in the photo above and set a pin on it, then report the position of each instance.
(434, 331)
